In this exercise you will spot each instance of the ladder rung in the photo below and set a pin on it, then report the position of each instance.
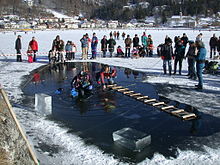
(159, 103)
(177, 111)
(167, 107)
(149, 100)
(117, 87)
(127, 92)
(188, 115)
(124, 89)
(113, 85)
(135, 94)
(142, 97)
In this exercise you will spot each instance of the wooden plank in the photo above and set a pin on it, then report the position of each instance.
(142, 97)
(128, 92)
(5, 98)
(167, 107)
(113, 85)
(135, 94)
(157, 104)
(149, 100)
(189, 116)
(117, 87)
(177, 111)
(121, 90)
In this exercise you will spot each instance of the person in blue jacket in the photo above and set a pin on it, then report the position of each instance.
(81, 85)
(200, 62)
(94, 44)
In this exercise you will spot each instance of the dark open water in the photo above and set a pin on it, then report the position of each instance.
(96, 118)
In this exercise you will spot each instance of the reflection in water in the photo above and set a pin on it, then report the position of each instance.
(107, 101)
(196, 123)
(127, 72)
(135, 74)
(36, 78)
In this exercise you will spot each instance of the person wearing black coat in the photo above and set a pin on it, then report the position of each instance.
(104, 43)
(185, 41)
(135, 41)
(179, 55)
(167, 55)
(111, 45)
(18, 48)
(218, 46)
(213, 45)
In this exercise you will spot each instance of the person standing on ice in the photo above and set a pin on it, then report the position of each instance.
(218, 46)
(167, 55)
(123, 35)
(111, 45)
(191, 56)
(179, 56)
(136, 41)
(150, 46)
(34, 46)
(115, 35)
(185, 40)
(94, 44)
(213, 42)
(55, 47)
(58, 46)
(144, 42)
(128, 43)
(104, 43)
(84, 44)
(89, 40)
(68, 50)
(200, 62)
(18, 48)
(199, 37)
(118, 35)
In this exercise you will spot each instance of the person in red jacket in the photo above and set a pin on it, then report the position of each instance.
(106, 73)
(34, 46)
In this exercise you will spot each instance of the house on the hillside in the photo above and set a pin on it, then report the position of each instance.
(48, 20)
(112, 24)
(150, 21)
(85, 25)
(41, 27)
(205, 22)
(24, 25)
(72, 26)
(128, 25)
(182, 21)
(11, 17)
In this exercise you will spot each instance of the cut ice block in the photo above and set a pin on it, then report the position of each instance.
(43, 104)
(132, 139)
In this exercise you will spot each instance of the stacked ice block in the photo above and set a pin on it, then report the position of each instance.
(43, 104)
(132, 139)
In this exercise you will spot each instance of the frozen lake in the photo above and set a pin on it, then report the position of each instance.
(60, 142)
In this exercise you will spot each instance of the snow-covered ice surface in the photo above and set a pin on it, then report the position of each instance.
(70, 149)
